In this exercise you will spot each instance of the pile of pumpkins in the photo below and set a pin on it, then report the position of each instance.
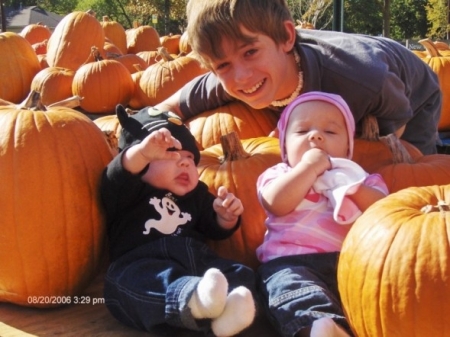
(394, 263)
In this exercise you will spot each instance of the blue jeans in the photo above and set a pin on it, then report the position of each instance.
(151, 285)
(297, 290)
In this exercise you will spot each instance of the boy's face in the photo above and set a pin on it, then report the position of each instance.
(178, 176)
(257, 73)
(316, 124)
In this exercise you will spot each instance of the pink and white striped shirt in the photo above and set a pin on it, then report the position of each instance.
(310, 228)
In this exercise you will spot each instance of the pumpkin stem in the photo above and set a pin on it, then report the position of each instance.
(232, 148)
(96, 54)
(399, 152)
(370, 128)
(441, 206)
(162, 51)
(71, 102)
(430, 47)
(32, 102)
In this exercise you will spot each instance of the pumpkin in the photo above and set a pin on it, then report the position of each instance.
(139, 99)
(54, 84)
(171, 42)
(35, 33)
(115, 32)
(184, 45)
(372, 151)
(425, 170)
(112, 129)
(149, 56)
(440, 64)
(209, 126)
(70, 44)
(162, 79)
(111, 50)
(42, 58)
(53, 231)
(394, 266)
(102, 84)
(142, 38)
(237, 165)
(18, 65)
(132, 62)
(40, 48)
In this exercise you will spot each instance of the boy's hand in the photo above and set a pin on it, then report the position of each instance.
(155, 146)
(227, 206)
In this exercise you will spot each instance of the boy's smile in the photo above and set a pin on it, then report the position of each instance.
(258, 72)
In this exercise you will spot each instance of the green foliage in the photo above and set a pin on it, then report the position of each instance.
(410, 19)
(61, 7)
(437, 15)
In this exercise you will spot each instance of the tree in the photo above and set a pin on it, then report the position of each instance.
(409, 19)
(437, 15)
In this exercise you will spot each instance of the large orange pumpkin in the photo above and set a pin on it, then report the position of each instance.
(423, 170)
(237, 165)
(70, 44)
(52, 227)
(394, 267)
(209, 126)
(373, 151)
(18, 65)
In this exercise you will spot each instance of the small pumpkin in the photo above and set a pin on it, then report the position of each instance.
(394, 266)
(440, 64)
(171, 42)
(142, 38)
(162, 79)
(52, 225)
(115, 32)
(35, 33)
(102, 84)
(54, 84)
(237, 165)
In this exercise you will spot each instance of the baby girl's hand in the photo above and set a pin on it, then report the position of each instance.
(318, 160)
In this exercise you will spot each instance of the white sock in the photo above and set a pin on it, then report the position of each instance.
(325, 326)
(238, 314)
(209, 299)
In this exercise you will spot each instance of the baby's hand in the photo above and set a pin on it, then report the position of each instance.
(318, 160)
(227, 205)
(155, 145)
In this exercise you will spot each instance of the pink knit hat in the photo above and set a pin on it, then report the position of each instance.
(336, 100)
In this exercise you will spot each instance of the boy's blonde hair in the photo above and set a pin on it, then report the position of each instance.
(210, 21)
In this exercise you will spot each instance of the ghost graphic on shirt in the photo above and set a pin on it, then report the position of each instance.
(171, 217)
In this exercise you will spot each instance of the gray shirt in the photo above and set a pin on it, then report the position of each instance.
(374, 75)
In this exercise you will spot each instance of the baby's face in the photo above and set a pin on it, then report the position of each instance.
(179, 176)
(316, 124)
